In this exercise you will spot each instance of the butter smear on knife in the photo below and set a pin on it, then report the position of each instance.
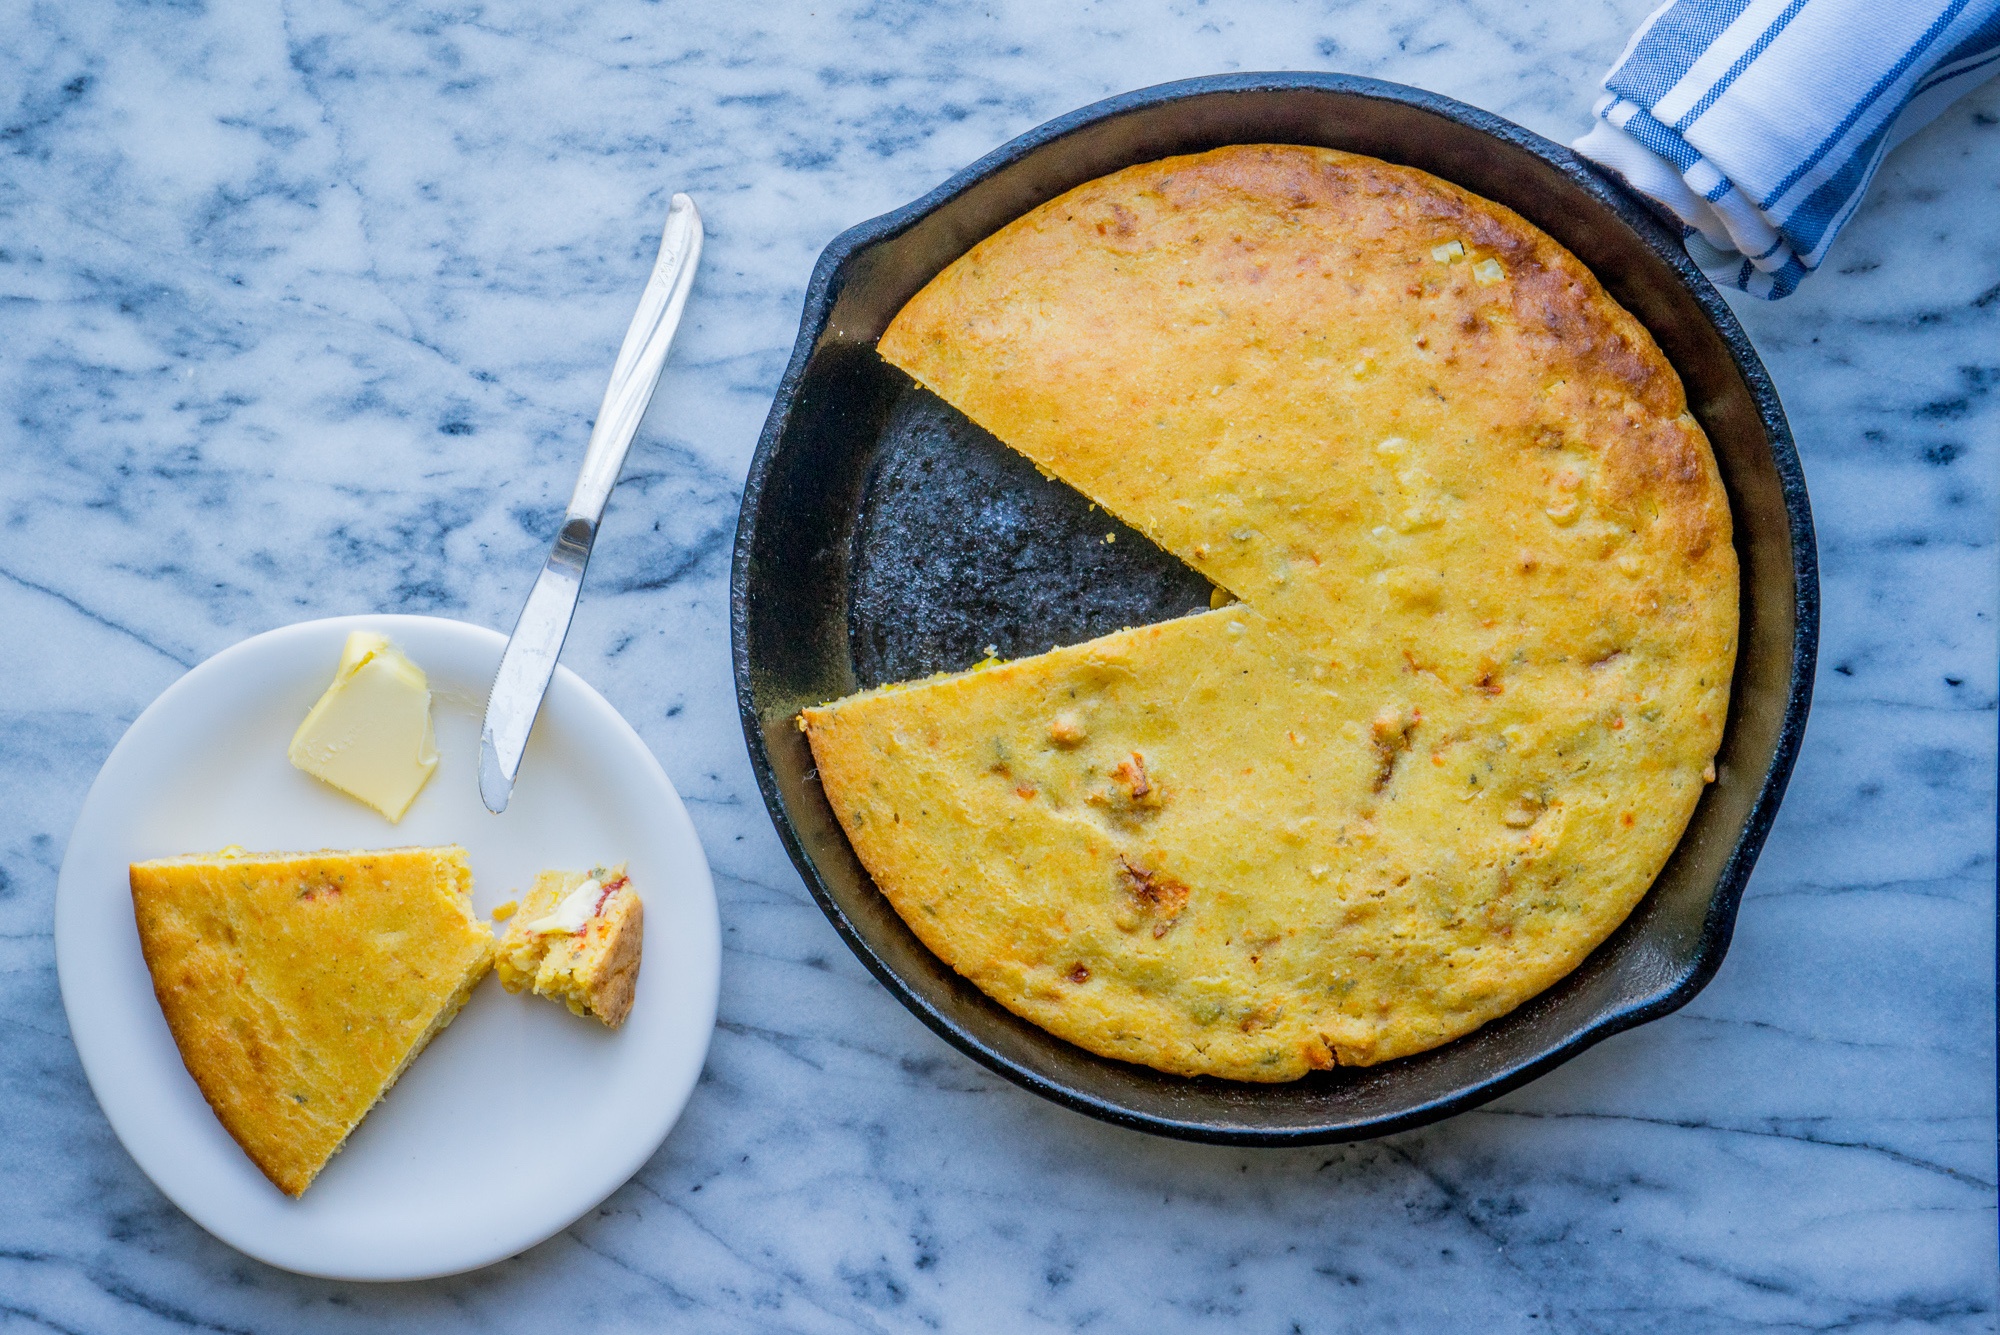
(370, 735)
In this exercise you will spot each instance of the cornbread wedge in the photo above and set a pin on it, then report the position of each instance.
(299, 986)
(576, 937)
(1480, 670)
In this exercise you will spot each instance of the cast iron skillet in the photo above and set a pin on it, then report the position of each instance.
(883, 536)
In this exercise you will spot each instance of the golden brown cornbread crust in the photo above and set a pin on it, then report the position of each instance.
(299, 986)
(1480, 678)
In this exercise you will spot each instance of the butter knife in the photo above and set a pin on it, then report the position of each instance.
(530, 657)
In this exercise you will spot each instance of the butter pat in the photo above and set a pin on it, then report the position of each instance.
(370, 735)
(570, 915)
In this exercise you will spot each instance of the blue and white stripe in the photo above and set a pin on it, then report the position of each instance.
(1759, 123)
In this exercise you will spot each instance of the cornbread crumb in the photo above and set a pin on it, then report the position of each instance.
(592, 968)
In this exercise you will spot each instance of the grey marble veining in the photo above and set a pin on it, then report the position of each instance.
(304, 310)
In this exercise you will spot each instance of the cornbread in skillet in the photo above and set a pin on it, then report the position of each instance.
(1482, 664)
(298, 986)
(576, 937)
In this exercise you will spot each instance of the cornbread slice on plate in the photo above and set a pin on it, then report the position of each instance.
(576, 937)
(299, 986)
(1478, 678)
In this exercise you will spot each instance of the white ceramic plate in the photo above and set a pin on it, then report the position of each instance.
(519, 1117)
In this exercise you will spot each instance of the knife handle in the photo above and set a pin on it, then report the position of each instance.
(640, 360)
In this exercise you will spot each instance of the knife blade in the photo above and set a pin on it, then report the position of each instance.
(529, 660)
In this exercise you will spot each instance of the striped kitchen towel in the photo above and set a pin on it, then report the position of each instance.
(1759, 123)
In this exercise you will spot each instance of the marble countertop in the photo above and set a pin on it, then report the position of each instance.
(305, 310)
